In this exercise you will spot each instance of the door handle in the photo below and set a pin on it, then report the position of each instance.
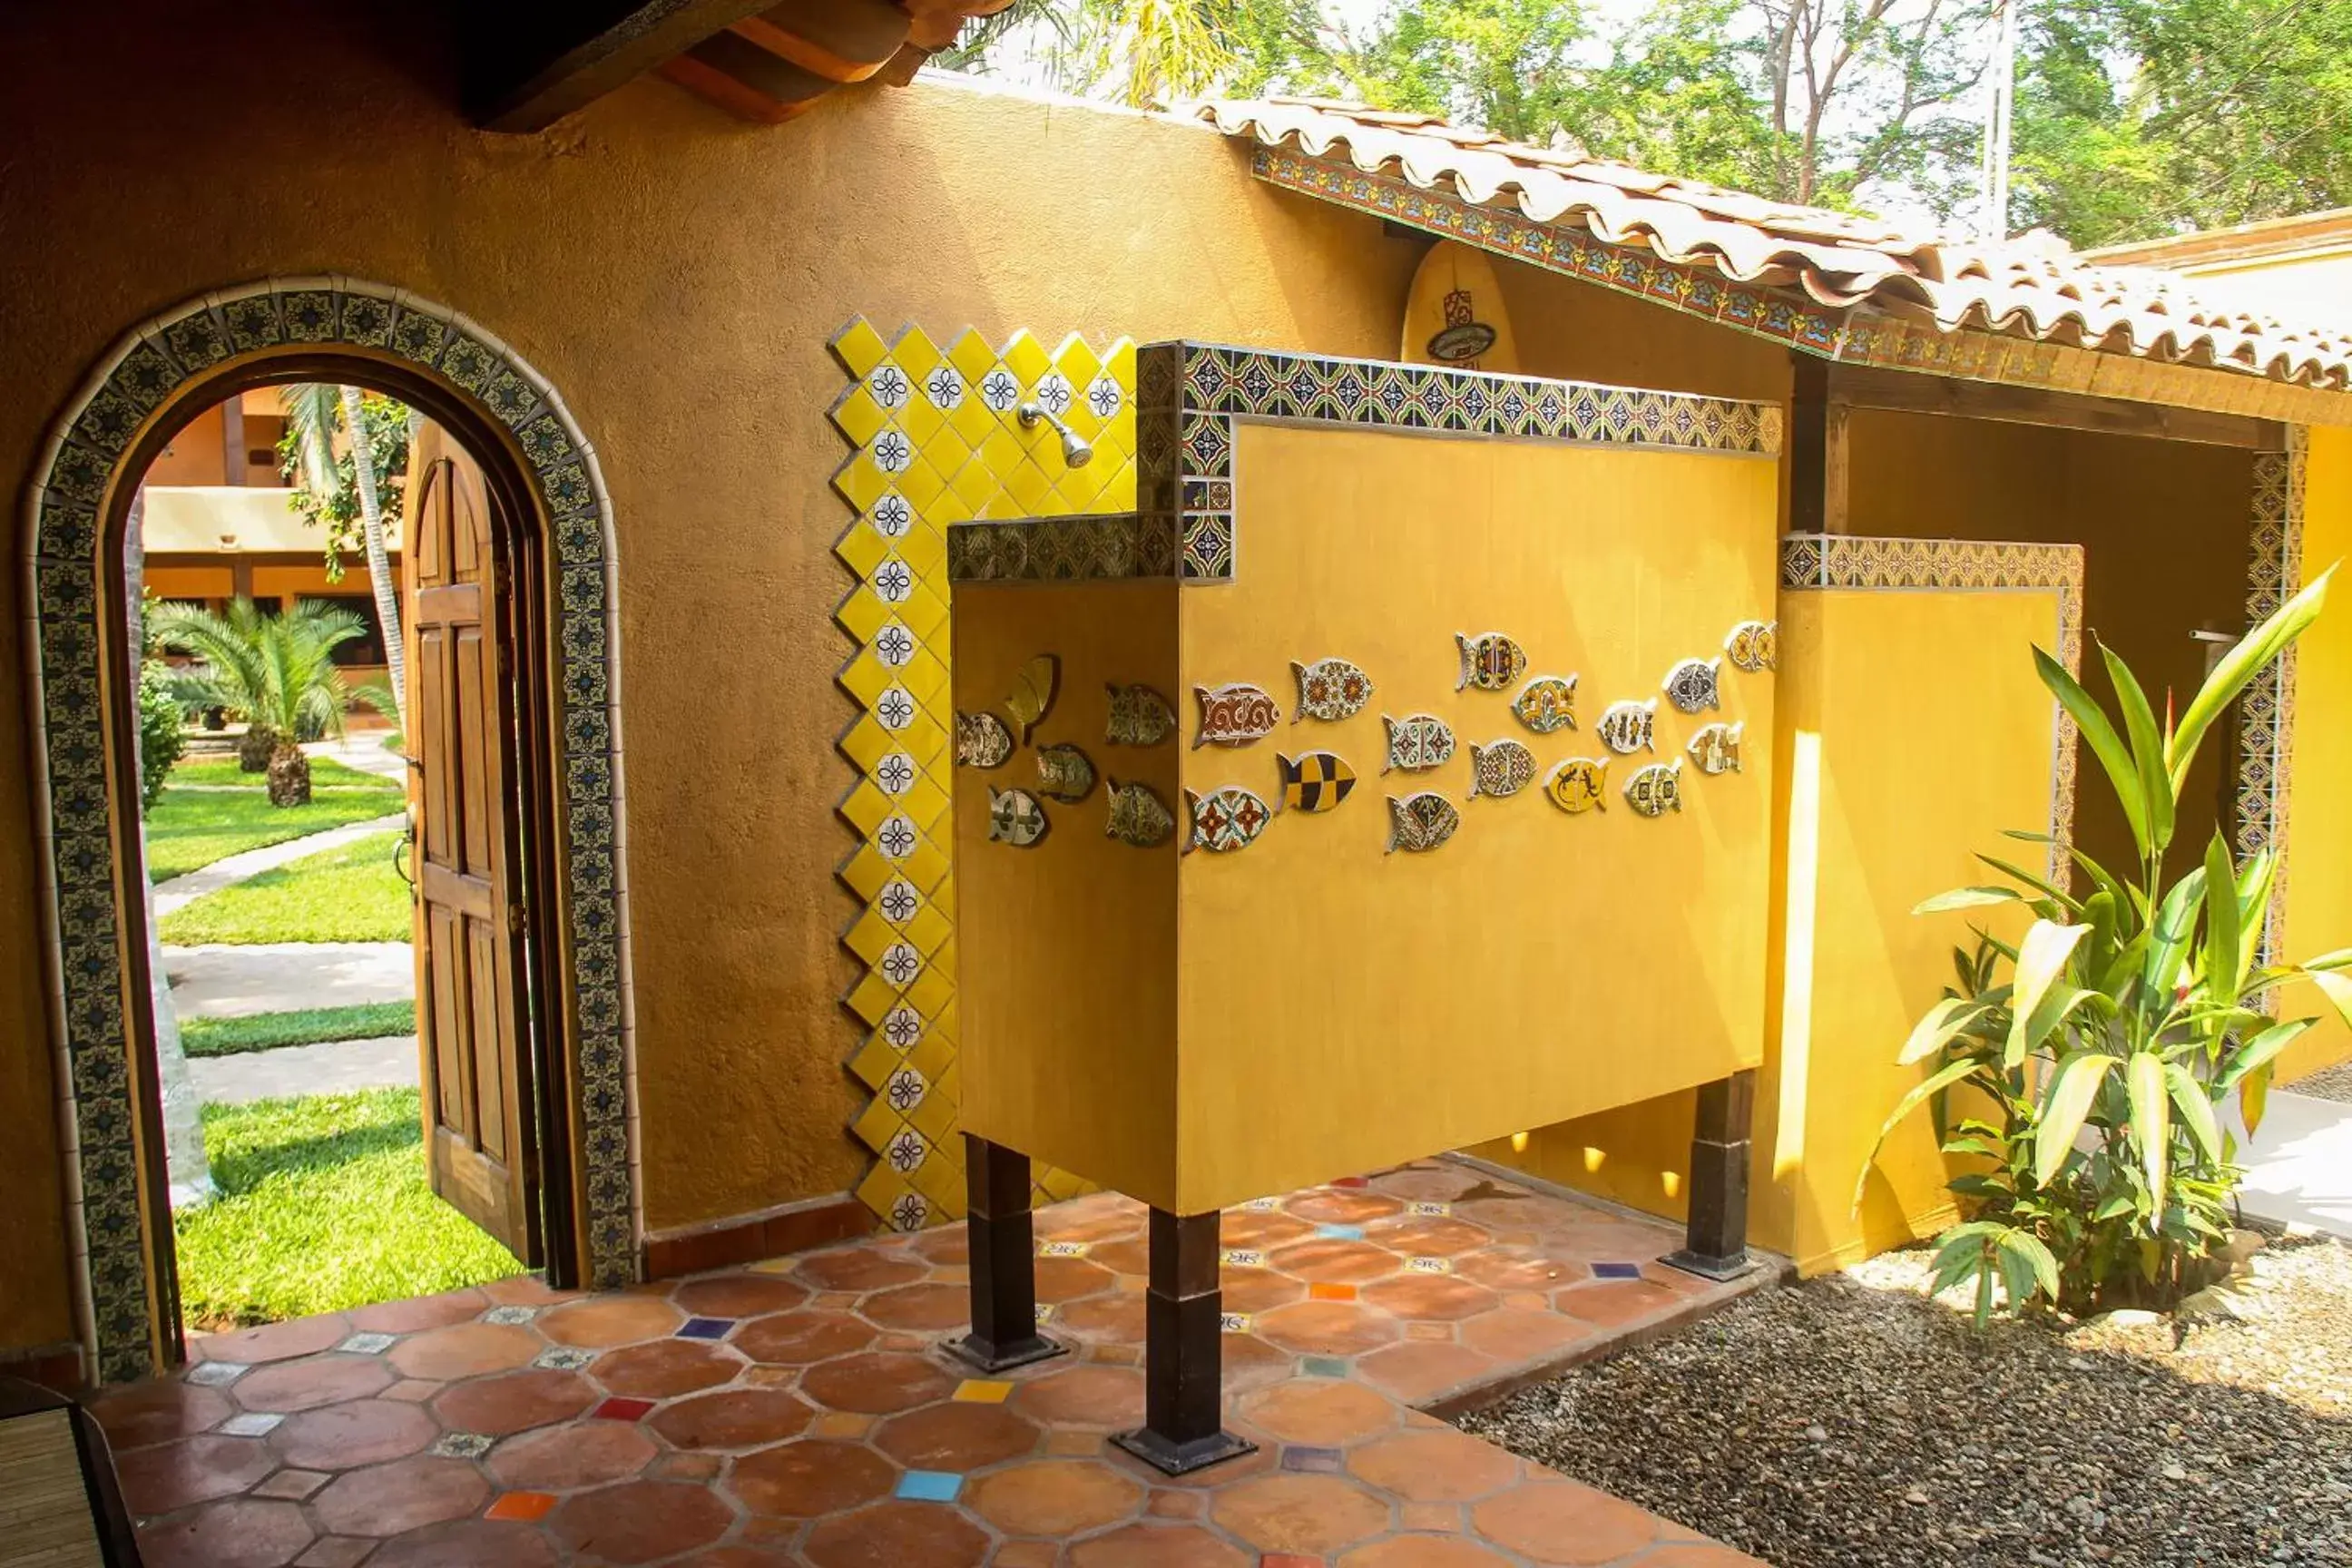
(401, 846)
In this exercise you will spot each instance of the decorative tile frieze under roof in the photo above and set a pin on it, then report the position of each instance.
(1852, 283)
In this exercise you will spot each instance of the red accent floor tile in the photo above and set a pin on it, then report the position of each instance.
(622, 1409)
(527, 1506)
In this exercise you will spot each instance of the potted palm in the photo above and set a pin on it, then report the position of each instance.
(276, 672)
(2102, 1045)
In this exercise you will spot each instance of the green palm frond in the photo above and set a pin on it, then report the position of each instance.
(274, 671)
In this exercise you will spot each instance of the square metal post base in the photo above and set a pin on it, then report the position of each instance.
(1706, 1267)
(983, 1355)
(1173, 1458)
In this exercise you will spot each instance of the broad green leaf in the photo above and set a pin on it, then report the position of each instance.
(2069, 1101)
(2254, 881)
(2101, 737)
(2028, 1245)
(2116, 1206)
(1952, 1073)
(2157, 788)
(2260, 1052)
(2101, 878)
(1966, 899)
(2336, 986)
(2196, 1108)
(2340, 959)
(2017, 1279)
(2168, 934)
(2041, 958)
(2236, 671)
(2151, 1116)
(2223, 974)
(1943, 1024)
(2254, 1098)
(2035, 880)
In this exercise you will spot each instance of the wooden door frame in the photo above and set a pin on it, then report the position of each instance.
(544, 477)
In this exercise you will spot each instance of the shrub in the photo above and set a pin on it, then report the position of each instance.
(161, 740)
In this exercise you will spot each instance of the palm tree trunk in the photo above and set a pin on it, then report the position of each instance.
(187, 1171)
(290, 775)
(379, 559)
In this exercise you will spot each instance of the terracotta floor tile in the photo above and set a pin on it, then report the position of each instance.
(171, 1476)
(1434, 1467)
(1261, 1230)
(1427, 1182)
(732, 1418)
(1336, 1262)
(1612, 1304)
(1699, 1554)
(1517, 1334)
(1091, 1219)
(1026, 1555)
(158, 1410)
(600, 1323)
(360, 1432)
(638, 1521)
(1439, 1297)
(1561, 1521)
(876, 1382)
(414, 1390)
(931, 1308)
(563, 1458)
(1083, 1395)
(804, 1479)
(526, 1291)
(1314, 1514)
(956, 1437)
(738, 1295)
(240, 1534)
(947, 1244)
(463, 1350)
(1519, 1269)
(1327, 1328)
(1157, 1546)
(1428, 1235)
(1340, 1205)
(897, 1535)
(314, 1380)
(666, 1369)
(423, 1312)
(290, 1485)
(847, 1425)
(1426, 1552)
(514, 1401)
(1430, 1518)
(797, 1339)
(1419, 1371)
(1319, 1413)
(857, 1267)
(336, 1552)
(470, 1543)
(407, 1494)
(1056, 1497)
(1068, 1279)
(1117, 1318)
(272, 1342)
(1258, 1289)
(1131, 1258)
(736, 1557)
(1066, 1444)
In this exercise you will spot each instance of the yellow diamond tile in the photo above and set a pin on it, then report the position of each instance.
(859, 481)
(935, 1117)
(925, 866)
(866, 872)
(974, 421)
(1004, 451)
(859, 347)
(915, 353)
(869, 935)
(1120, 361)
(861, 549)
(921, 484)
(1076, 361)
(973, 354)
(925, 803)
(1032, 493)
(943, 897)
(867, 677)
(881, 1190)
(939, 1182)
(1059, 1184)
(924, 739)
(862, 615)
(948, 1085)
(978, 486)
(929, 929)
(1026, 358)
(872, 997)
(931, 1056)
(949, 509)
(926, 676)
(865, 807)
(922, 423)
(944, 961)
(859, 416)
(945, 1024)
(877, 1123)
(929, 993)
(866, 744)
(926, 611)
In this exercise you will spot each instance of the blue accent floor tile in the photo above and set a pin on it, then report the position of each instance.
(929, 1486)
(1323, 1366)
(1340, 1232)
(1616, 1271)
(1321, 1461)
(706, 1328)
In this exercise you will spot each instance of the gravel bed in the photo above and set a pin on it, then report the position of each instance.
(2329, 1083)
(1849, 1420)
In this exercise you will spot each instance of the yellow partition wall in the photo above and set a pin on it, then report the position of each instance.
(2319, 897)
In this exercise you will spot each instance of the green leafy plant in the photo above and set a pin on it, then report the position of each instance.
(276, 672)
(161, 735)
(2080, 1072)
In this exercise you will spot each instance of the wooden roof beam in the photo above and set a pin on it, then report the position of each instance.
(1909, 392)
(531, 62)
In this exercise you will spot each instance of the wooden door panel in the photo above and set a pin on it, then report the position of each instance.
(472, 1017)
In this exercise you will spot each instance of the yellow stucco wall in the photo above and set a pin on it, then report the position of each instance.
(2319, 804)
(676, 274)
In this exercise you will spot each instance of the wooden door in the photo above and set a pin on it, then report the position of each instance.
(471, 1005)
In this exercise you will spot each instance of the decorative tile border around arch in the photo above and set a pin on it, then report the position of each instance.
(68, 586)
(2266, 714)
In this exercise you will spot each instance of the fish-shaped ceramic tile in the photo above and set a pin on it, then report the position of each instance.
(1547, 703)
(1417, 742)
(1064, 774)
(1313, 781)
(1715, 749)
(1032, 693)
(1234, 714)
(1579, 784)
(1015, 818)
(1491, 661)
(1656, 789)
(1419, 823)
(1754, 645)
(982, 741)
(1139, 715)
(1500, 768)
(1330, 690)
(1628, 727)
(1225, 819)
(1692, 685)
(1137, 814)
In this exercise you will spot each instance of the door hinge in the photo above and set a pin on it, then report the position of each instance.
(514, 919)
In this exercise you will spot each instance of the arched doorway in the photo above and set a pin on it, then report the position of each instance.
(533, 454)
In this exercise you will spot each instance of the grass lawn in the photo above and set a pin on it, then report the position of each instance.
(303, 1026)
(189, 828)
(323, 1206)
(325, 773)
(350, 894)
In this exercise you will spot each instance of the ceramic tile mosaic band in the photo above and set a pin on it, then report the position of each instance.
(139, 379)
(946, 481)
(2266, 712)
(1063, 549)
(1191, 395)
(1824, 561)
(1852, 337)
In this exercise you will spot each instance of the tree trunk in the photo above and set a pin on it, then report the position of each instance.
(289, 776)
(254, 748)
(187, 1171)
(379, 559)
